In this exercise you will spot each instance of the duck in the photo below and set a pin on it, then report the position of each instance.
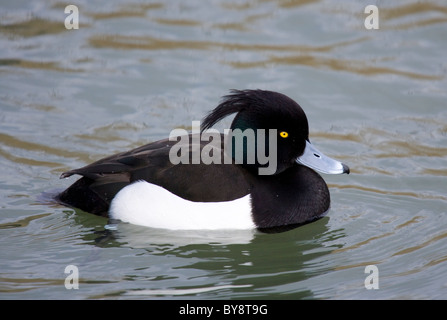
(240, 189)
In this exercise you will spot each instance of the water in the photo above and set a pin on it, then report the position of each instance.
(132, 72)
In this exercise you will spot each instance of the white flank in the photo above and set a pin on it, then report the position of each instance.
(149, 205)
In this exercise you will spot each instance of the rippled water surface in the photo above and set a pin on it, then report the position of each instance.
(133, 71)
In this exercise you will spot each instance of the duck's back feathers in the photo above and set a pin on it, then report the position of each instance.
(103, 179)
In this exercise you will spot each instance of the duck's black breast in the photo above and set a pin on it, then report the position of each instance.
(103, 179)
(296, 196)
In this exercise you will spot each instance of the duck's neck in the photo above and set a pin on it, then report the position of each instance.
(296, 196)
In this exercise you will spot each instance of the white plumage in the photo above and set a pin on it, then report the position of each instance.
(146, 204)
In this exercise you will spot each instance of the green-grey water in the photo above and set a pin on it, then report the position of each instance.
(134, 71)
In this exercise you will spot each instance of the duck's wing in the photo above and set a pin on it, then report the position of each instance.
(103, 179)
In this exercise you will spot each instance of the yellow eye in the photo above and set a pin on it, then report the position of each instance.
(284, 134)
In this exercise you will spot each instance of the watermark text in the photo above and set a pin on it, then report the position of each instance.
(72, 280)
(243, 146)
(372, 20)
(72, 20)
(372, 280)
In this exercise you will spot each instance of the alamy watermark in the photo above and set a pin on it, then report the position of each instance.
(72, 280)
(248, 146)
(372, 20)
(372, 280)
(72, 20)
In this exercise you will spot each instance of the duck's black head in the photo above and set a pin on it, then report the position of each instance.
(281, 120)
(269, 113)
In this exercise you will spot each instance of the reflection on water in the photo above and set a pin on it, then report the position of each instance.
(32, 27)
(132, 72)
(27, 64)
(307, 56)
(236, 257)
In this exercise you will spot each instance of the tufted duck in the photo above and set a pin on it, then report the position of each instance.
(144, 186)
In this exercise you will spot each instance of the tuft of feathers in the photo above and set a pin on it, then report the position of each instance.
(232, 103)
(248, 100)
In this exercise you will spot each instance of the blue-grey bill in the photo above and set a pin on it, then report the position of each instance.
(316, 160)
